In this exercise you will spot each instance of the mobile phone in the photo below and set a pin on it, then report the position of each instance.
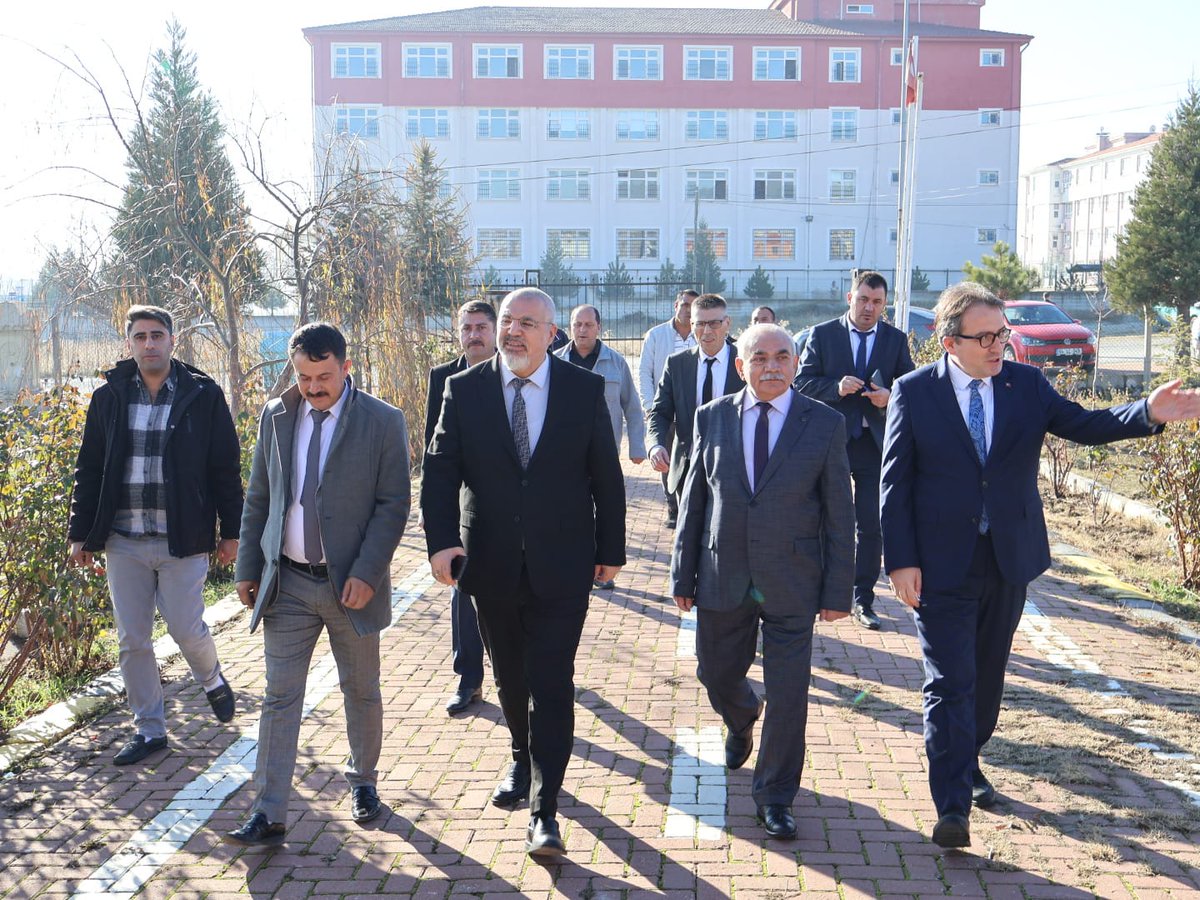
(457, 566)
(877, 380)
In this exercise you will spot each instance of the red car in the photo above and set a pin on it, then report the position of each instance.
(1045, 336)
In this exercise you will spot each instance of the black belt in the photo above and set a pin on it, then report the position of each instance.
(316, 571)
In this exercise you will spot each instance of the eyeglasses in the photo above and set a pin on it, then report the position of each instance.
(525, 324)
(703, 324)
(988, 337)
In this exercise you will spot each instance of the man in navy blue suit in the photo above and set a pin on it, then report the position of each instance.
(963, 531)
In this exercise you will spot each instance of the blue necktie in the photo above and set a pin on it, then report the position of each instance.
(854, 428)
(975, 425)
(762, 442)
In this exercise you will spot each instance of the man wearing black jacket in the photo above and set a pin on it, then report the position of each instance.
(158, 464)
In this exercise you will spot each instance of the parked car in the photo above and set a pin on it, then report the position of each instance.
(1045, 336)
(920, 322)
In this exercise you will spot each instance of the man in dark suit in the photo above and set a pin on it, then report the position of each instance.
(841, 361)
(477, 337)
(326, 506)
(963, 531)
(765, 535)
(526, 436)
(691, 378)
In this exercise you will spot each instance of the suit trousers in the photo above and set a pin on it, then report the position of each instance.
(144, 576)
(466, 644)
(292, 624)
(531, 642)
(726, 643)
(865, 463)
(672, 499)
(966, 636)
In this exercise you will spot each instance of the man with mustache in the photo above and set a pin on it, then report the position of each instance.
(526, 438)
(477, 337)
(326, 506)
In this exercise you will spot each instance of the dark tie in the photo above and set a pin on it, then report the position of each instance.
(762, 442)
(706, 391)
(520, 424)
(308, 496)
(860, 358)
(975, 424)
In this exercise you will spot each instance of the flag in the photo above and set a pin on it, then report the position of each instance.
(910, 74)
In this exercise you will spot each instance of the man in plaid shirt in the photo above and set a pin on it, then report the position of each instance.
(159, 462)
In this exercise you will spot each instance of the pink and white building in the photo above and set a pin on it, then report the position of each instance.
(614, 129)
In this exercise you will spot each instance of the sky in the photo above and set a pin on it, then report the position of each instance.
(1092, 64)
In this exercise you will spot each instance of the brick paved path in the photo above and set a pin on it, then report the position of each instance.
(1085, 811)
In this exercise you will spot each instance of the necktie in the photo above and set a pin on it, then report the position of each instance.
(308, 495)
(706, 393)
(860, 358)
(975, 425)
(762, 439)
(520, 424)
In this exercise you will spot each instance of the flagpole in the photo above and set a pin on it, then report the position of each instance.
(909, 193)
(899, 289)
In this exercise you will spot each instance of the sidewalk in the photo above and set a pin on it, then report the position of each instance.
(1091, 759)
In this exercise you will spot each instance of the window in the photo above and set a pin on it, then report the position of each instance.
(774, 243)
(1121, 167)
(844, 64)
(706, 63)
(718, 239)
(896, 55)
(497, 61)
(991, 58)
(499, 243)
(637, 64)
(774, 125)
(989, 177)
(569, 124)
(843, 185)
(576, 243)
(843, 125)
(985, 235)
(776, 64)
(637, 124)
(427, 61)
(860, 9)
(774, 184)
(499, 184)
(637, 243)
(707, 184)
(427, 123)
(637, 184)
(1107, 168)
(895, 115)
(1092, 173)
(989, 117)
(893, 235)
(707, 125)
(359, 121)
(894, 177)
(841, 243)
(569, 62)
(498, 123)
(356, 60)
(568, 184)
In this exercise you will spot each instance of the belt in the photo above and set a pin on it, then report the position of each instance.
(311, 569)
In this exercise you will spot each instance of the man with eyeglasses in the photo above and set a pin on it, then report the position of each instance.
(963, 531)
(526, 438)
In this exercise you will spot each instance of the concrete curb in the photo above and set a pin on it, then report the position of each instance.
(44, 728)
(1132, 509)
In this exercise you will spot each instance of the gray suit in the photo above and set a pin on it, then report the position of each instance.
(778, 554)
(362, 504)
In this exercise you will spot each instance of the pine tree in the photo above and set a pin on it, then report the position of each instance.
(618, 283)
(758, 285)
(671, 280)
(701, 266)
(557, 277)
(1002, 273)
(919, 280)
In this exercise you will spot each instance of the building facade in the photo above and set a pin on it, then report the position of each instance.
(616, 131)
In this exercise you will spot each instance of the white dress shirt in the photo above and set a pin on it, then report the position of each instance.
(724, 359)
(962, 393)
(775, 419)
(536, 394)
(293, 526)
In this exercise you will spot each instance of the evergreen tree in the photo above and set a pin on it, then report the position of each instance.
(758, 285)
(671, 280)
(701, 266)
(558, 278)
(919, 280)
(618, 283)
(1002, 273)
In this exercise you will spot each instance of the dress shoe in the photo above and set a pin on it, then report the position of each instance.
(777, 820)
(221, 700)
(952, 831)
(463, 698)
(514, 787)
(256, 831)
(739, 745)
(603, 585)
(866, 617)
(138, 749)
(364, 803)
(983, 794)
(669, 520)
(543, 839)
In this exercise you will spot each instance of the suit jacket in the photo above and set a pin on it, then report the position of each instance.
(437, 387)
(675, 403)
(560, 517)
(827, 358)
(934, 487)
(792, 536)
(362, 501)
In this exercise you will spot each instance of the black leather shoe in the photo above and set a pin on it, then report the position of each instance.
(669, 520)
(542, 838)
(739, 745)
(138, 749)
(256, 832)
(463, 698)
(221, 700)
(364, 803)
(777, 820)
(983, 794)
(514, 787)
(952, 831)
(866, 617)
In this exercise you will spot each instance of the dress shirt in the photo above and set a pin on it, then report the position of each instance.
(775, 419)
(724, 359)
(293, 526)
(854, 339)
(962, 393)
(536, 394)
